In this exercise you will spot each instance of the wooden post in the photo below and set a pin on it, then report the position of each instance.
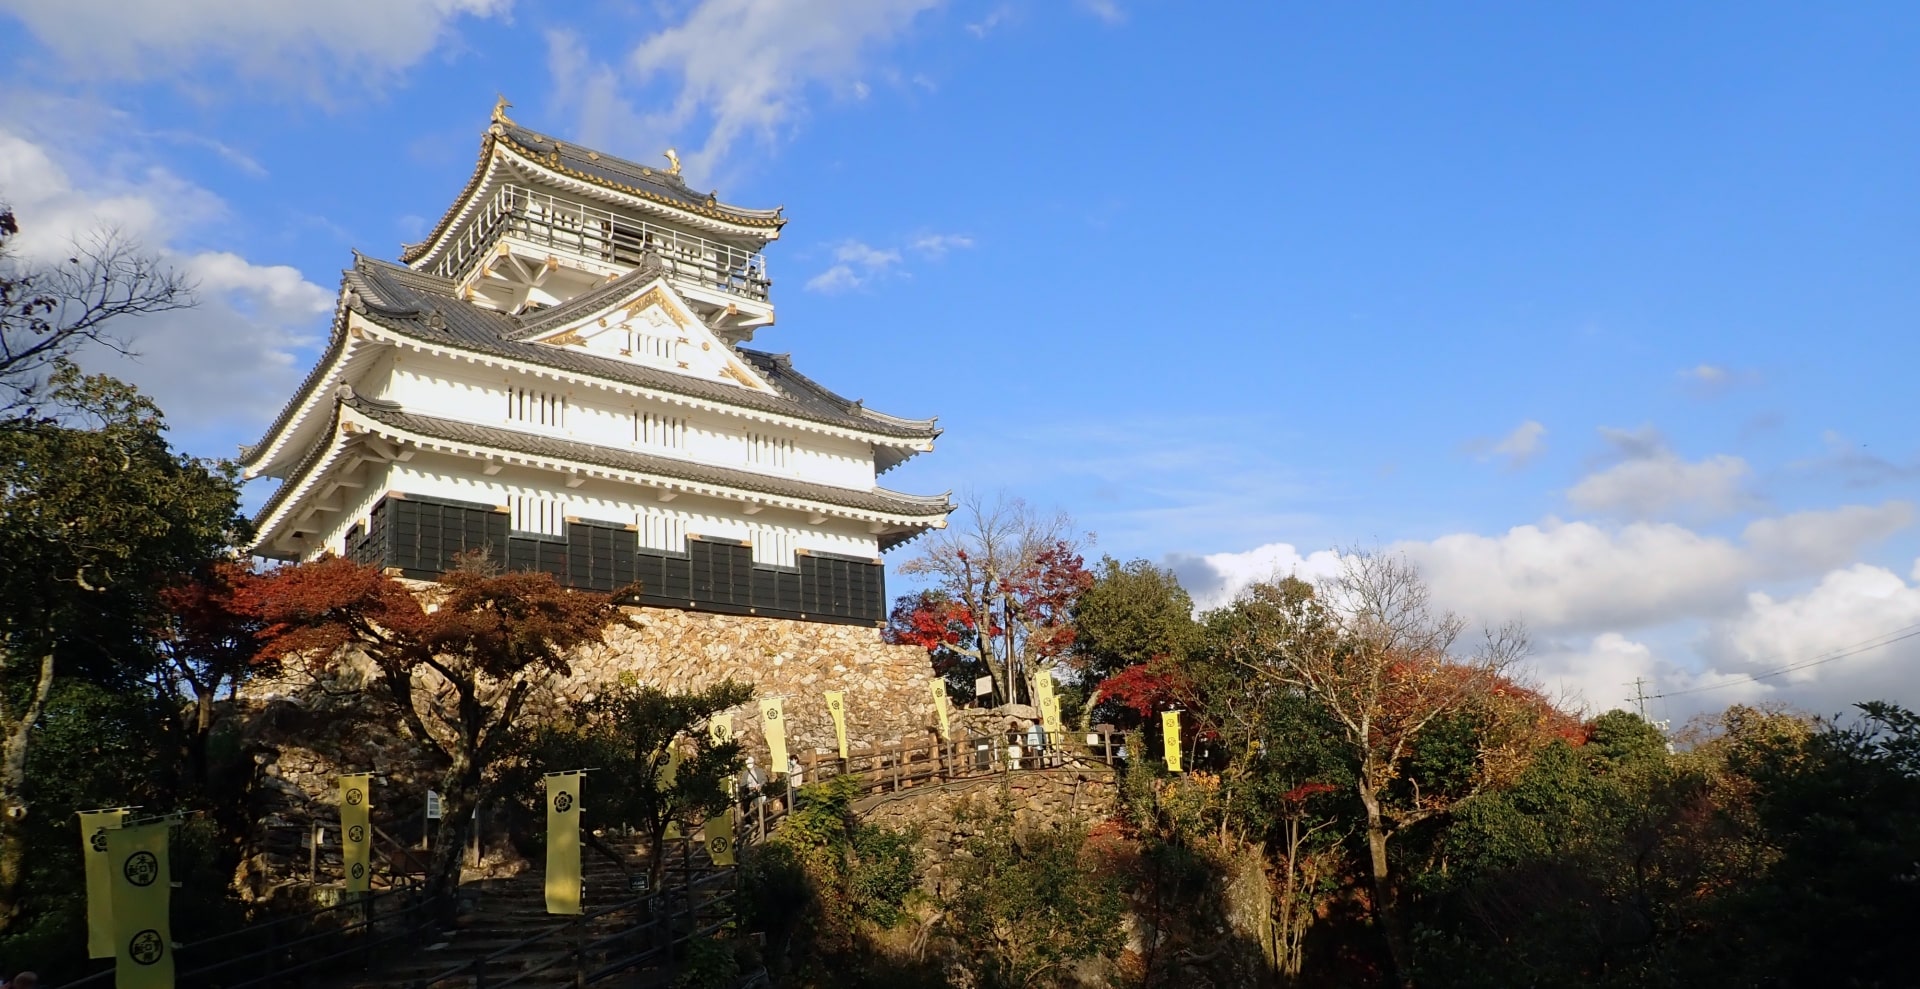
(313, 853)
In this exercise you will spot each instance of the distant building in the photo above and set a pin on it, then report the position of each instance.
(558, 374)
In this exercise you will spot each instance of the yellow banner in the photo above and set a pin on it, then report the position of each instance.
(1170, 735)
(940, 704)
(1049, 703)
(720, 728)
(672, 771)
(356, 831)
(94, 825)
(141, 882)
(667, 775)
(837, 706)
(719, 835)
(563, 843)
(773, 720)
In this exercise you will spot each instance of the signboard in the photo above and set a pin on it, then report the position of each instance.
(983, 686)
(638, 883)
(433, 806)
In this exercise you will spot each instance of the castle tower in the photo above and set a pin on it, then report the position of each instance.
(557, 375)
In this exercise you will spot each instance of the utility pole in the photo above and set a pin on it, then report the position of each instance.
(1639, 686)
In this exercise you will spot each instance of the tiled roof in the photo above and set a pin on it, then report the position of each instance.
(878, 500)
(424, 307)
(654, 184)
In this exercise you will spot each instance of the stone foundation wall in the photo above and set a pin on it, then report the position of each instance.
(888, 688)
(304, 733)
(1040, 798)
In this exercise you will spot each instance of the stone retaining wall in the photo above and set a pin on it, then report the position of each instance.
(305, 732)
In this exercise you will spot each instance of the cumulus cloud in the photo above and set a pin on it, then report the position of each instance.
(1651, 481)
(1215, 579)
(159, 38)
(856, 263)
(227, 361)
(1572, 578)
(731, 70)
(1831, 646)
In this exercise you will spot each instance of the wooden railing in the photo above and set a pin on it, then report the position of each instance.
(547, 221)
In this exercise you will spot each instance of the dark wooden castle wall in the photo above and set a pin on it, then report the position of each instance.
(420, 537)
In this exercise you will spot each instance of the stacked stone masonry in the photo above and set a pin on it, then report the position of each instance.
(306, 733)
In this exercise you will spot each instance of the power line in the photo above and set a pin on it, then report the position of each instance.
(1868, 645)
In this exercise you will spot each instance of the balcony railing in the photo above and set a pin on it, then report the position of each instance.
(599, 235)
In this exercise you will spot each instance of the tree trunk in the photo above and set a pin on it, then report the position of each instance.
(13, 798)
(1386, 909)
(197, 739)
(460, 794)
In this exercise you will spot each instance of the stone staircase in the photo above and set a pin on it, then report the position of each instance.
(499, 914)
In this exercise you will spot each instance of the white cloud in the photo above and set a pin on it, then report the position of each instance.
(994, 18)
(856, 263)
(733, 70)
(1216, 578)
(1848, 607)
(1517, 448)
(936, 246)
(1653, 482)
(160, 38)
(1569, 578)
(1807, 542)
(1106, 10)
(1713, 380)
(224, 365)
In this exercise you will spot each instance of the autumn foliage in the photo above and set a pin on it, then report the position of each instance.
(456, 662)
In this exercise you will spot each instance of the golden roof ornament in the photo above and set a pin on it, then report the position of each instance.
(673, 162)
(500, 109)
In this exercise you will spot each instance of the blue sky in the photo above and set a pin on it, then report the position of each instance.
(1603, 316)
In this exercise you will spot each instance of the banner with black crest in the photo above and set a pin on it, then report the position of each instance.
(563, 842)
(356, 830)
(142, 888)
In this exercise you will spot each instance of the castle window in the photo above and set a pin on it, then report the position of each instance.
(663, 531)
(536, 408)
(772, 546)
(531, 513)
(661, 431)
(770, 452)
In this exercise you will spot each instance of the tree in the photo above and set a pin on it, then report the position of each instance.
(457, 674)
(1010, 578)
(1370, 647)
(96, 514)
(48, 312)
(632, 732)
(211, 643)
(1131, 614)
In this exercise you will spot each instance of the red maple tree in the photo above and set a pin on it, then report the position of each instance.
(456, 662)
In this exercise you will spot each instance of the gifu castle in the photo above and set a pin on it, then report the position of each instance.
(558, 374)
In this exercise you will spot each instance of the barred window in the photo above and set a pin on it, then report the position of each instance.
(531, 513)
(536, 407)
(662, 431)
(769, 451)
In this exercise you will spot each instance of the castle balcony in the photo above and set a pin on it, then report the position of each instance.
(604, 238)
